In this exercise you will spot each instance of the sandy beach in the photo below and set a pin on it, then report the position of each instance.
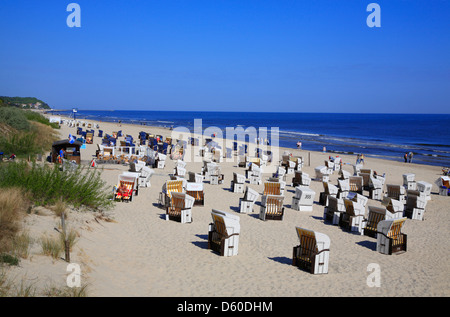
(139, 253)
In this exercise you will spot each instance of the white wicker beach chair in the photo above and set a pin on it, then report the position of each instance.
(396, 192)
(425, 188)
(237, 183)
(409, 182)
(224, 232)
(375, 188)
(255, 174)
(248, 201)
(328, 190)
(313, 252)
(322, 173)
(375, 215)
(443, 183)
(270, 188)
(353, 217)
(161, 160)
(180, 208)
(415, 205)
(344, 188)
(394, 206)
(303, 199)
(195, 177)
(273, 208)
(332, 212)
(301, 179)
(144, 176)
(390, 239)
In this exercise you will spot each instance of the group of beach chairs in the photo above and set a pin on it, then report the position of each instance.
(344, 203)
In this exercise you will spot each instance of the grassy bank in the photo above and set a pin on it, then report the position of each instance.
(47, 184)
(25, 133)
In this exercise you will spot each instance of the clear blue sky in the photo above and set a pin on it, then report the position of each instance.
(226, 55)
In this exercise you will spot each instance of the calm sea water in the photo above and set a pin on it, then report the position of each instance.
(387, 136)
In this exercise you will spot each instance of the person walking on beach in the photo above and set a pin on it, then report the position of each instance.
(299, 145)
(405, 157)
(410, 155)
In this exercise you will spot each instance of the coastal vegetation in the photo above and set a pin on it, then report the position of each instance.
(23, 102)
(25, 133)
(27, 182)
(46, 184)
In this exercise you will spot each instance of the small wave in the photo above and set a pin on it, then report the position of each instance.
(432, 145)
(300, 133)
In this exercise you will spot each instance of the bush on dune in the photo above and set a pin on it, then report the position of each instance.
(48, 184)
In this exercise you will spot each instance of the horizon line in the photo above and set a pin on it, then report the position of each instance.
(230, 111)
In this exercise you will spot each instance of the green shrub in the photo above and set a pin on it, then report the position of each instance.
(14, 117)
(9, 259)
(37, 117)
(48, 184)
(19, 144)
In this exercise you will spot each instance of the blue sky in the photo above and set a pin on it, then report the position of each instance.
(253, 55)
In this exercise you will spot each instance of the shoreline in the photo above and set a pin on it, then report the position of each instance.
(167, 132)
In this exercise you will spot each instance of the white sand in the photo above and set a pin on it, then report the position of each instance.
(141, 254)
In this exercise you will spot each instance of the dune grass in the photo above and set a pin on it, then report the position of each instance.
(25, 133)
(51, 246)
(11, 288)
(13, 206)
(46, 185)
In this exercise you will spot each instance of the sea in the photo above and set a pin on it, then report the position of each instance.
(387, 136)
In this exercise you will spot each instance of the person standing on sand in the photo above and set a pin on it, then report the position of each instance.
(406, 157)
(299, 145)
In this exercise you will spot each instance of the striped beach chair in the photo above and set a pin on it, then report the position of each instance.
(125, 188)
(376, 214)
(169, 187)
(313, 252)
(273, 209)
(195, 189)
(180, 208)
(270, 188)
(356, 184)
(396, 192)
(390, 239)
(353, 217)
